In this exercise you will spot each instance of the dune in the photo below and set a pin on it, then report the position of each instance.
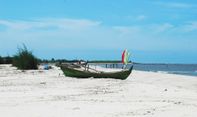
(48, 93)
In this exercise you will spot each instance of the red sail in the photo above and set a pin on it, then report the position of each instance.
(123, 55)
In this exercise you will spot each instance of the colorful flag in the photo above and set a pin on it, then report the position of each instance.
(125, 57)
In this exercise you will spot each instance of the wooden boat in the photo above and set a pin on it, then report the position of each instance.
(74, 71)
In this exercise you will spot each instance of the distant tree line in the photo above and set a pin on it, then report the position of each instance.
(6, 60)
(58, 60)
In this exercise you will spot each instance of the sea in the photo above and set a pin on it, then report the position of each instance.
(181, 69)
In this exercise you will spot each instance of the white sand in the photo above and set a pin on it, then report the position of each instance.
(50, 94)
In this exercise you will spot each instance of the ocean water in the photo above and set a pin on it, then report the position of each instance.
(183, 69)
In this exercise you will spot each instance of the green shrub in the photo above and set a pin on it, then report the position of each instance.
(25, 60)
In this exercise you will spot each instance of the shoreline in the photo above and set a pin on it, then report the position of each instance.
(172, 73)
(49, 93)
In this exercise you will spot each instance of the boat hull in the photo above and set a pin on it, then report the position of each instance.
(87, 74)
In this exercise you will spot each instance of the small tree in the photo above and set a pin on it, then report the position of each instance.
(53, 60)
(25, 60)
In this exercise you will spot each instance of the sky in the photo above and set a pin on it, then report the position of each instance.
(154, 31)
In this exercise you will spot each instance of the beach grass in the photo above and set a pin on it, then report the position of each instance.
(24, 59)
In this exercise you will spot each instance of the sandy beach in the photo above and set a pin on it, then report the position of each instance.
(48, 93)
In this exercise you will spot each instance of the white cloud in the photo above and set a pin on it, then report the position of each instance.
(145, 29)
(136, 17)
(190, 26)
(127, 29)
(162, 27)
(178, 5)
(45, 23)
(141, 17)
(15, 25)
(70, 23)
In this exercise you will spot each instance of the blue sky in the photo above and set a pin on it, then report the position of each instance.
(161, 31)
